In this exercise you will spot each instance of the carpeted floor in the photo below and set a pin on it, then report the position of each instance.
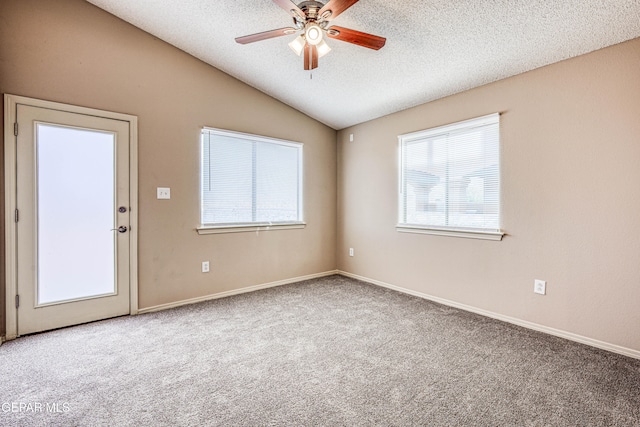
(330, 351)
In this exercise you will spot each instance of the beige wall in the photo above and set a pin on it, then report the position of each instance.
(570, 136)
(70, 51)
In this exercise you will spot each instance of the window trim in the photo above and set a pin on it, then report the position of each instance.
(460, 232)
(219, 228)
(471, 233)
(242, 228)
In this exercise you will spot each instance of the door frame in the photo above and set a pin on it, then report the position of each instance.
(10, 191)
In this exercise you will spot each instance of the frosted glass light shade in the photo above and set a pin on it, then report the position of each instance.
(313, 34)
(323, 48)
(297, 45)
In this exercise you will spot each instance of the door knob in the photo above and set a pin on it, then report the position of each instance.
(121, 229)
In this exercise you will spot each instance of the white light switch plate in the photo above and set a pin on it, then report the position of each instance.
(164, 193)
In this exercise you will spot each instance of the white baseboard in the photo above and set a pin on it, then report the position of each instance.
(529, 325)
(234, 292)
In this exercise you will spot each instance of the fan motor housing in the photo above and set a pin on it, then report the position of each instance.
(311, 9)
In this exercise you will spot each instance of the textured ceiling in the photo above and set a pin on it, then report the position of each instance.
(434, 48)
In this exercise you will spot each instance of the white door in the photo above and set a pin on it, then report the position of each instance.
(73, 218)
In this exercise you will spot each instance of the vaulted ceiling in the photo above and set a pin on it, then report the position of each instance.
(434, 48)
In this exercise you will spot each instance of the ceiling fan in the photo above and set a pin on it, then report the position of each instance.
(312, 19)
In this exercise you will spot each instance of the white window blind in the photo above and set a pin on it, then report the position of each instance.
(450, 177)
(249, 180)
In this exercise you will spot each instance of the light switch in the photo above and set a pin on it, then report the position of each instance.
(164, 193)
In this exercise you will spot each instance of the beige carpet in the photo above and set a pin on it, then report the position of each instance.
(331, 351)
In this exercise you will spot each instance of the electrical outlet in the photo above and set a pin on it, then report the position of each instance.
(350, 251)
(164, 193)
(205, 266)
(540, 287)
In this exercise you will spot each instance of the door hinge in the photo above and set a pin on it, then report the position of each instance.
(17, 301)
(17, 217)
(15, 128)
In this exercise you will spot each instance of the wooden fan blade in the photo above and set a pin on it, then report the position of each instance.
(356, 37)
(291, 8)
(265, 35)
(336, 7)
(310, 57)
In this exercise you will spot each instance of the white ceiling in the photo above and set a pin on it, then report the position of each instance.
(434, 48)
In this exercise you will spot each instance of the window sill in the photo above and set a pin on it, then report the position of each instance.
(468, 234)
(244, 228)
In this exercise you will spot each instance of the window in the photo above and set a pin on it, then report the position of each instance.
(249, 182)
(450, 179)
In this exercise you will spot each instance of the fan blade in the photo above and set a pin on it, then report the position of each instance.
(310, 57)
(336, 7)
(356, 37)
(265, 35)
(291, 8)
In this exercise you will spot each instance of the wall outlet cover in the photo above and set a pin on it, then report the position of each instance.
(164, 193)
(540, 287)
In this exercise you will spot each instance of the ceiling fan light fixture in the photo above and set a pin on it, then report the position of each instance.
(313, 34)
(297, 45)
(323, 48)
(312, 18)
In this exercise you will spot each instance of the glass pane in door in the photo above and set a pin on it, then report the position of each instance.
(76, 212)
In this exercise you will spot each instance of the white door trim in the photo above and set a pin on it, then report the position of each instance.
(10, 237)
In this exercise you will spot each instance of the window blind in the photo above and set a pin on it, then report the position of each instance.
(450, 176)
(249, 179)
